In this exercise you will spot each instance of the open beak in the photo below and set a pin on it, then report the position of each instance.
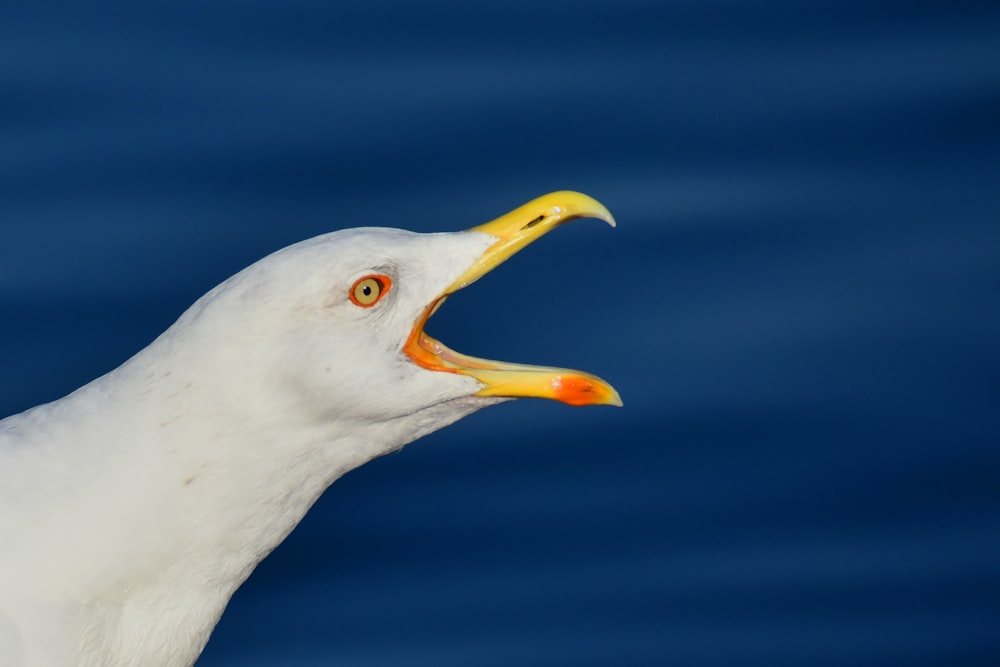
(514, 231)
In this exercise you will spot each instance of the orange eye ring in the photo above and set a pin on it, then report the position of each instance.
(367, 291)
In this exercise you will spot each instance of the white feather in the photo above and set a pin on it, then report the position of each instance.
(133, 508)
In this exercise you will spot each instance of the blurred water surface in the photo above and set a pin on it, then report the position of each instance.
(799, 306)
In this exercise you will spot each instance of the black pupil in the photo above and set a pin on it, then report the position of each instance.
(367, 289)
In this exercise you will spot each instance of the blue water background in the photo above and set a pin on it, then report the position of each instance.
(800, 306)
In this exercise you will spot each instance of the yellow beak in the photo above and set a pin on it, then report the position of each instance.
(514, 231)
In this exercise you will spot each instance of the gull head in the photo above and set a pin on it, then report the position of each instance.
(333, 328)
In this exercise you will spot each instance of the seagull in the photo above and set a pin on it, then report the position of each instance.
(132, 509)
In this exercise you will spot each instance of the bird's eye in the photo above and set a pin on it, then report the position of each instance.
(367, 291)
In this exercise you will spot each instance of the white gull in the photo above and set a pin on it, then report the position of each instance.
(132, 509)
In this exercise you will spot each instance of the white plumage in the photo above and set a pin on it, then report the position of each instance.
(133, 508)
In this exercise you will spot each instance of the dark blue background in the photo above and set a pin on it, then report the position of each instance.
(799, 306)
